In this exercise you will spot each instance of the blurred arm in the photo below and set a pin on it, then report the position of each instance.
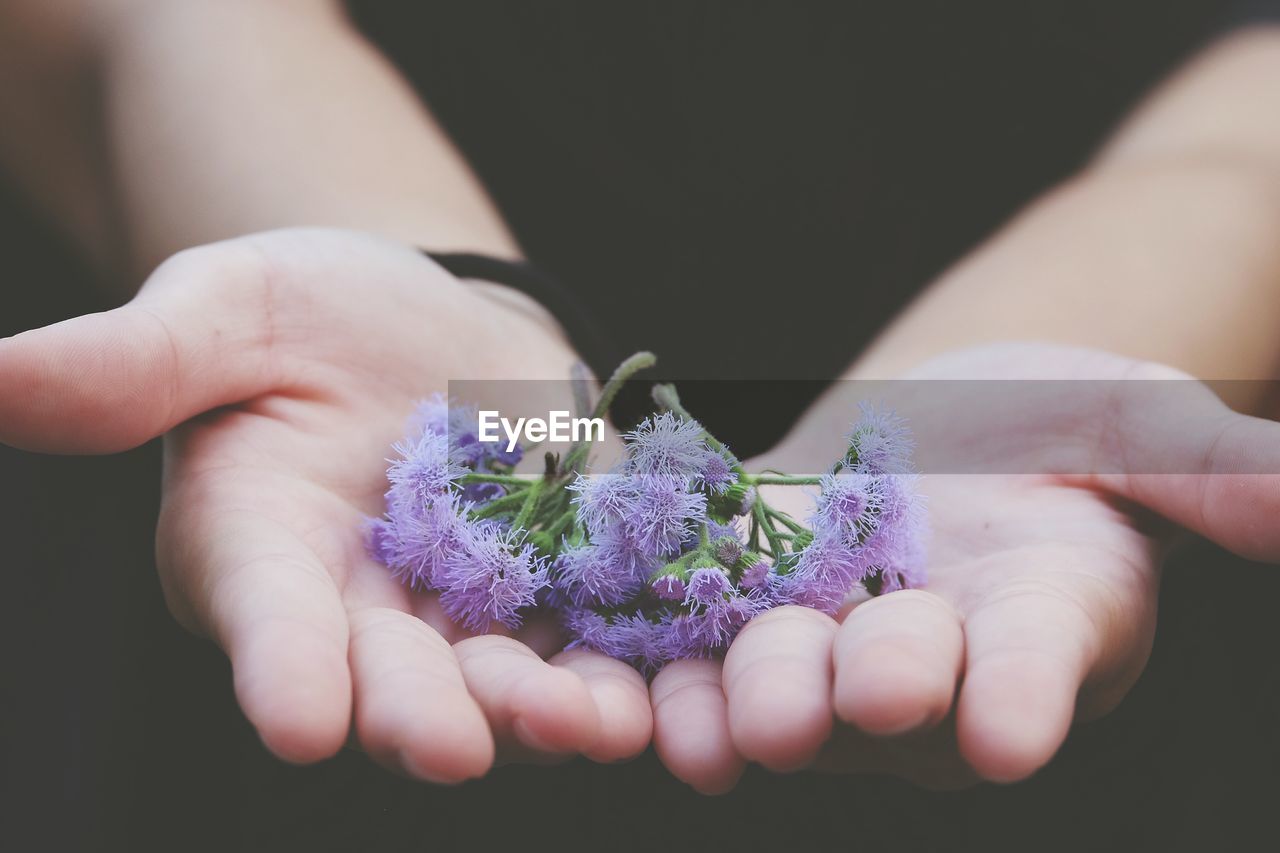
(1167, 247)
(225, 117)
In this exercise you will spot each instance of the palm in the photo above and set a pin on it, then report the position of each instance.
(301, 354)
(1040, 603)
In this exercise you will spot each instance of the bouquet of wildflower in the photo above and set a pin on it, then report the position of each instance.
(664, 557)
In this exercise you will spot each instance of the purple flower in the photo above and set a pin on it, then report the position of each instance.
(490, 578)
(848, 509)
(714, 474)
(416, 539)
(669, 588)
(728, 550)
(425, 467)
(716, 530)
(880, 443)
(605, 572)
(461, 426)
(587, 629)
(603, 500)
(664, 515)
(636, 639)
(380, 542)
(633, 638)
(717, 611)
(708, 586)
(667, 446)
(824, 574)
(756, 575)
(678, 639)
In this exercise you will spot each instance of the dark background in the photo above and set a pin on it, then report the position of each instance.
(696, 172)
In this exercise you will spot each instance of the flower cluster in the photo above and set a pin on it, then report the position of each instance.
(433, 535)
(664, 557)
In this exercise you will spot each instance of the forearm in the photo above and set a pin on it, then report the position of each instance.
(1166, 248)
(232, 116)
(49, 134)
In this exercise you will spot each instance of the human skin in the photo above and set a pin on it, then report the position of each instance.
(314, 629)
(1165, 253)
(202, 150)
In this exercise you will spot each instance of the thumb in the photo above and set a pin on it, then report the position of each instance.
(107, 382)
(1182, 453)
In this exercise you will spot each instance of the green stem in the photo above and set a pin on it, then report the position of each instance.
(501, 505)
(561, 524)
(530, 504)
(766, 527)
(795, 526)
(500, 479)
(633, 365)
(772, 480)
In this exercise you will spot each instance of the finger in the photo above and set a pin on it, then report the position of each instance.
(621, 698)
(897, 660)
(527, 701)
(269, 603)
(691, 726)
(413, 709)
(777, 677)
(107, 382)
(1027, 654)
(1183, 454)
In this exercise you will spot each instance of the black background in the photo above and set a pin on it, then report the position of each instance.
(694, 163)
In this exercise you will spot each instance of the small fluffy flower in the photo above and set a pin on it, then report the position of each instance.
(756, 575)
(633, 638)
(424, 467)
(728, 550)
(461, 426)
(667, 446)
(664, 515)
(490, 578)
(603, 500)
(600, 573)
(678, 638)
(714, 474)
(586, 628)
(848, 508)
(416, 539)
(707, 587)
(636, 639)
(823, 576)
(880, 443)
(717, 611)
(380, 542)
(669, 588)
(716, 530)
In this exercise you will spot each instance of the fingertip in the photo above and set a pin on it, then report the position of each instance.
(446, 741)
(1011, 720)
(778, 683)
(621, 698)
(722, 781)
(691, 726)
(450, 751)
(886, 690)
(298, 699)
(553, 711)
(782, 726)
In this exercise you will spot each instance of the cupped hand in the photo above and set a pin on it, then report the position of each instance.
(1044, 567)
(280, 368)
